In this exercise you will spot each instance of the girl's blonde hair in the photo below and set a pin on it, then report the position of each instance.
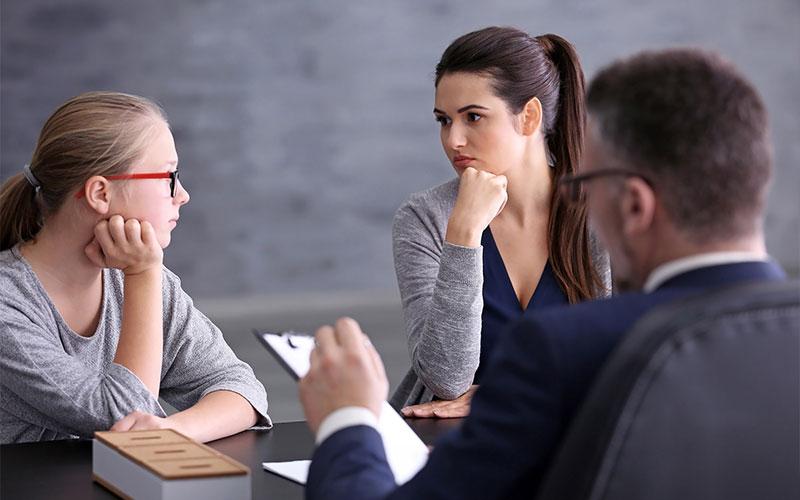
(96, 133)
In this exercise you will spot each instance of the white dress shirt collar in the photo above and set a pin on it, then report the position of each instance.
(669, 270)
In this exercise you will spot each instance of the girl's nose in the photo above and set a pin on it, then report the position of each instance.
(182, 196)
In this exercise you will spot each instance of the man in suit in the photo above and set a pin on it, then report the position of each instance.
(675, 175)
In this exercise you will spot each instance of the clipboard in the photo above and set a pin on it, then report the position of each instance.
(290, 349)
(405, 451)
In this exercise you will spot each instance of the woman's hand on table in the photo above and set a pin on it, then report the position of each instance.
(455, 408)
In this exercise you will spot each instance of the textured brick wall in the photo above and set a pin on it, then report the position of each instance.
(302, 125)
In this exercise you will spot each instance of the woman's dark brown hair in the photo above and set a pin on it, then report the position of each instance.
(522, 67)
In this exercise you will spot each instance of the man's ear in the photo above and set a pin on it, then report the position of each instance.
(97, 190)
(531, 116)
(637, 207)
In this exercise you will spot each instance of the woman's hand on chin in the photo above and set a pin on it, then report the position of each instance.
(481, 197)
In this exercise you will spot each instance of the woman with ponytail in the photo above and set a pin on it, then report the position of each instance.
(497, 242)
(93, 328)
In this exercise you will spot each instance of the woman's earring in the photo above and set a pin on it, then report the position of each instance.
(551, 160)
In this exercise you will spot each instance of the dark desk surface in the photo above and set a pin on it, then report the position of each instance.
(63, 469)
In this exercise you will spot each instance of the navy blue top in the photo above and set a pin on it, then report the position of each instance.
(500, 304)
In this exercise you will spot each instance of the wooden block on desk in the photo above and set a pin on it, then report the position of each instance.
(164, 464)
(132, 438)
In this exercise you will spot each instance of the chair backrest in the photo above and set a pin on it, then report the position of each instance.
(701, 400)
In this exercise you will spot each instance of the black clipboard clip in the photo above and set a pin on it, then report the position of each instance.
(290, 338)
(292, 341)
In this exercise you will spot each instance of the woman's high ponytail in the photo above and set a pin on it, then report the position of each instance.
(569, 243)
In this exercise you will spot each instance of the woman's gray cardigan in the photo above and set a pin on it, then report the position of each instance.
(441, 287)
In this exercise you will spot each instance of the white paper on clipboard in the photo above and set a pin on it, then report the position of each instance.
(292, 350)
(405, 451)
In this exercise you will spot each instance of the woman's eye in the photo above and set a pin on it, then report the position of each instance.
(473, 117)
(443, 120)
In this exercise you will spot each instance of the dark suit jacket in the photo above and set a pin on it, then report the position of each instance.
(530, 393)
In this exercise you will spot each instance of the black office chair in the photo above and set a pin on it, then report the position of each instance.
(700, 401)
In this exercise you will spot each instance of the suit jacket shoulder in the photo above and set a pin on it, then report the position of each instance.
(532, 388)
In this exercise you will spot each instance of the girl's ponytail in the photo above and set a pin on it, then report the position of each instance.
(20, 215)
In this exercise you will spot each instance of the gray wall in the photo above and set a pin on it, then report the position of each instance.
(302, 125)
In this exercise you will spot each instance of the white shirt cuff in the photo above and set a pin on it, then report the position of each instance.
(348, 416)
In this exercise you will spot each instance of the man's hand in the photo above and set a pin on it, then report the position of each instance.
(455, 408)
(141, 421)
(128, 245)
(345, 371)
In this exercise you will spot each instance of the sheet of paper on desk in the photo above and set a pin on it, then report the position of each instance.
(296, 470)
(405, 451)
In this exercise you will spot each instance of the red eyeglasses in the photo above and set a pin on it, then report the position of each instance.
(172, 176)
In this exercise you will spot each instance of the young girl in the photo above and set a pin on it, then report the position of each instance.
(94, 328)
(477, 252)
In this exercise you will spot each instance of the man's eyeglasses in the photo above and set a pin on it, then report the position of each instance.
(571, 186)
(172, 176)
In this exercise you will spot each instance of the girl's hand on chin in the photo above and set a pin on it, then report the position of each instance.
(128, 245)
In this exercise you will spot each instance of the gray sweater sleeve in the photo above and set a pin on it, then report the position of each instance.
(197, 360)
(57, 391)
(441, 287)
